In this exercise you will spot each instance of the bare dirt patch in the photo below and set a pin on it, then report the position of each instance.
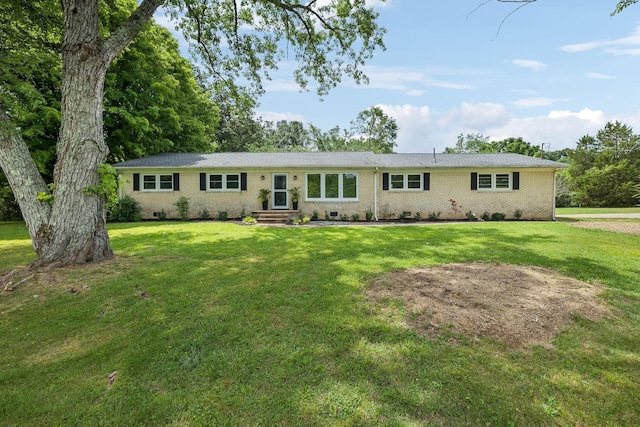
(519, 305)
(617, 226)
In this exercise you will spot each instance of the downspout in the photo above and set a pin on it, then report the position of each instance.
(553, 213)
(375, 194)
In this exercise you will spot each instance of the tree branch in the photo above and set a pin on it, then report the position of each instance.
(120, 38)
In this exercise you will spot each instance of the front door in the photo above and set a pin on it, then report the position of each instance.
(280, 197)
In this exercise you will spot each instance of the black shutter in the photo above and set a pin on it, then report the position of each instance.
(426, 181)
(474, 180)
(516, 181)
(243, 181)
(176, 182)
(136, 182)
(203, 181)
(385, 181)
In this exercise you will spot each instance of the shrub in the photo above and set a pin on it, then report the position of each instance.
(497, 216)
(222, 216)
(470, 216)
(433, 216)
(314, 216)
(517, 214)
(417, 216)
(355, 217)
(368, 215)
(343, 217)
(306, 219)
(326, 216)
(128, 210)
(486, 216)
(297, 221)
(162, 215)
(204, 214)
(183, 208)
(249, 220)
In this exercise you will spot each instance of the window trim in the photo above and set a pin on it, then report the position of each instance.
(494, 181)
(323, 192)
(156, 182)
(225, 181)
(405, 181)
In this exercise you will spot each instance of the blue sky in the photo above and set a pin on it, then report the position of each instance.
(557, 70)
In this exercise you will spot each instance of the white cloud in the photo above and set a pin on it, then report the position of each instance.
(622, 46)
(527, 63)
(540, 101)
(599, 76)
(412, 82)
(482, 114)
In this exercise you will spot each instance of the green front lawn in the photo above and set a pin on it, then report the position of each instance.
(219, 324)
(572, 211)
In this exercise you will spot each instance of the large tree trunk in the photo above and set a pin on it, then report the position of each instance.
(73, 229)
(77, 230)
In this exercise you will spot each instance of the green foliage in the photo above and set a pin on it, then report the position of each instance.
(623, 4)
(433, 216)
(183, 208)
(470, 216)
(517, 214)
(486, 216)
(375, 131)
(46, 197)
(355, 217)
(605, 168)
(263, 194)
(162, 215)
(295, 194)
(417, 216)
(204, 214)
(249, 220)
(9, 208)
(498, 216)
(127, 210)
(368, 215)
(478, 143)
(306, 219)
(223, 216)
(343, 217)
(107, 187)
(315, 216)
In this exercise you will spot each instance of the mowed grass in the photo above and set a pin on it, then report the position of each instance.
(573, 211)
(219, 324)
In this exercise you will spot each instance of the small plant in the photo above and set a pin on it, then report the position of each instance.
(249, 220)
(404, 215)
(183, 208)
(343, 217)
(162, 215)
(355, 217)
(263, 196)
(486, 216)
(417, 216)
(327, 217)
(297, 221)
(128, 210)
(455, 207)
(368, 215)
(306, 219)
(497, 216)
(517, 214)
(433, 216)
(222, 216)
(295, 195)
(470, 216)
(314, 216)
(204, 214)
(243, 213)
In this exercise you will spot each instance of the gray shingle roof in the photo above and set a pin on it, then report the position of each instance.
(335, 159)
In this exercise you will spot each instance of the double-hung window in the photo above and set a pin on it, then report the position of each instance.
(157, 182)
(224, 182)
(332, 186)
(406, 181)
(494, 181)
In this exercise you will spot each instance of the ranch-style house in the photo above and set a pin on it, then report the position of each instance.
(341, 184)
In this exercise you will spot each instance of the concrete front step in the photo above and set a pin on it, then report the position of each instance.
(276, 216)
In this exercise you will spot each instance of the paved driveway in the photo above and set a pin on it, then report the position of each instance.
(602, 215)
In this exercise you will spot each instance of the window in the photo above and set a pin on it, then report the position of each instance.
(494, 181)
(157, 182)
(224, 182)
(405, 181)
(332, 186)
